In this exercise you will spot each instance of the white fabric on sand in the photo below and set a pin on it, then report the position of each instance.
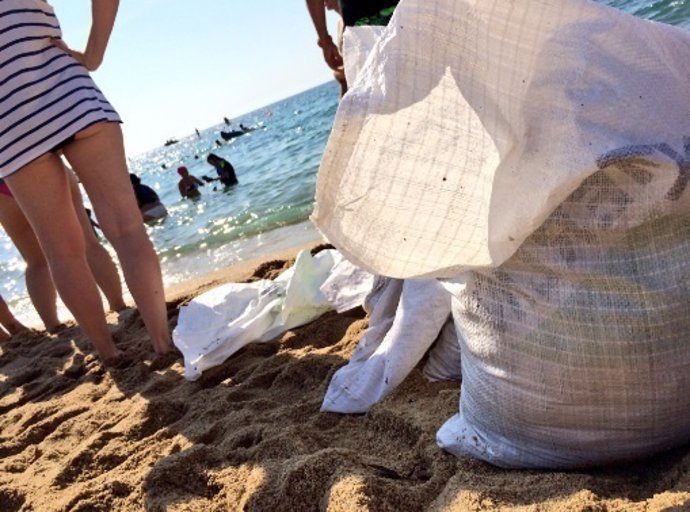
(218, 323)
(405, 321)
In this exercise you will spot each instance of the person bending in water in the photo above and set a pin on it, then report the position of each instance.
(188, 184)
(149, 203)
(225, 170)
(39, 283)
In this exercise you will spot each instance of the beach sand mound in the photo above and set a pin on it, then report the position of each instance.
(248, 435)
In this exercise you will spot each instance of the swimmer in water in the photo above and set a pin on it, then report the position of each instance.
(225, 170)
(188, 184)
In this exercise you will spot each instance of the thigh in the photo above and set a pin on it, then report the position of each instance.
(78, 204)
(19, 230)
(97, 156)
(41, 189)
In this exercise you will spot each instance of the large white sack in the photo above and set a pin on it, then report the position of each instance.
(576, 351)
(468, 125)
(218, 323)
(471, 121)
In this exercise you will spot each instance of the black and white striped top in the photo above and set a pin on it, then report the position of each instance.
(45, 95)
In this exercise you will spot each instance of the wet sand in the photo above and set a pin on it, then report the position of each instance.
(248, 435)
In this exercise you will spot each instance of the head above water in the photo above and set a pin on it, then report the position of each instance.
(134, 179)
(212, 157)
(182, 171)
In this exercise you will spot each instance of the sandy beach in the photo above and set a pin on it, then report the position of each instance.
(248, 435)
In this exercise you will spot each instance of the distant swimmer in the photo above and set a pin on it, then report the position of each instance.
(188, 184)
(149, 203)
(225, 170)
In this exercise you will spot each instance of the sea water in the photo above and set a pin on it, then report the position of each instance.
(276, 166)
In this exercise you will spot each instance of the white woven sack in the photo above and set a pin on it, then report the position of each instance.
(471, 121)
(576, 351)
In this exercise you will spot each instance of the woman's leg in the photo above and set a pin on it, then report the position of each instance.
(97, 156)
(37, 275)
(102, 265)
(8, 321)
(42, 190)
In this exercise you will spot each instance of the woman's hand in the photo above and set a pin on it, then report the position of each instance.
(103, 14)
(90, 63)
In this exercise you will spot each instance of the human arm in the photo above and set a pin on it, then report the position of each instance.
(331, 55)
(103, 14)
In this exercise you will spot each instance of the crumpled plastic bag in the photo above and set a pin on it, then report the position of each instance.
(218, 323)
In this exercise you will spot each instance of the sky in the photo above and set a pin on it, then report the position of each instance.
(176, 65)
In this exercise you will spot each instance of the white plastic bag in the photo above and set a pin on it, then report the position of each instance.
(216, 324)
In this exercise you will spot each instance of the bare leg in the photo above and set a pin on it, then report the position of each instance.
(102, 265)
(97, 156)
(38, 281)
(42, 190)
(8, 321)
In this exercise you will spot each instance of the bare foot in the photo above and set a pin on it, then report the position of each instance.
(55, 329)
(117, 361)
(117, 306)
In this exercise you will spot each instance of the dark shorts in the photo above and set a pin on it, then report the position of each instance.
(381, 18)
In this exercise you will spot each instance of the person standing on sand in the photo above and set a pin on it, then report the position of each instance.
(354, 13)
(339, 72)
(50, 103)
(9, 322)
(39, 283)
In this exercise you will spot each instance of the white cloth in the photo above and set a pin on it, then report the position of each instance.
(406, 319)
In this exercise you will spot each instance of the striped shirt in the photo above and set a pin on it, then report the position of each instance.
(46, 96)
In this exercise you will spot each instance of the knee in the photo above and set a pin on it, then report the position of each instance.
(36, 266)
(124, 228)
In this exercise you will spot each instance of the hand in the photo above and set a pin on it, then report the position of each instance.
(89, 62)
(331, 54)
